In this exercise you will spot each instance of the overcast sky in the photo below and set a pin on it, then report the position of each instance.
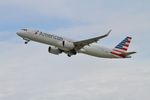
(29, 72)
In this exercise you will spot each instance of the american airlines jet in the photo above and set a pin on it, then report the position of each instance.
(58, 45)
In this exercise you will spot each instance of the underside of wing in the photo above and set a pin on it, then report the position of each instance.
(81, 44)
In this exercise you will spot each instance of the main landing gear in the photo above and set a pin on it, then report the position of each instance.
(69, 55)
(72, 52)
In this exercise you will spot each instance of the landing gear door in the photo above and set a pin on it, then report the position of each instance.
(63, 43)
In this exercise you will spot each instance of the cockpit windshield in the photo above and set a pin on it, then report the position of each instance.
(24, 29)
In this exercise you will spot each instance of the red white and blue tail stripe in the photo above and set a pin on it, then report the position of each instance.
(122, 47)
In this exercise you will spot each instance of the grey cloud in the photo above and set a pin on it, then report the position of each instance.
(92, 11)
(35, 74)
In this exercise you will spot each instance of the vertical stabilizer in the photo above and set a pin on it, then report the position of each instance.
(123, 45)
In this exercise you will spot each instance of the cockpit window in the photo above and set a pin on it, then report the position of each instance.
(24, 29)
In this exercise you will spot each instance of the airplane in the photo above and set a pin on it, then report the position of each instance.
(58, 44)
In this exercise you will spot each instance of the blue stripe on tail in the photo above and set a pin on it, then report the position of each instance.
(122, 43)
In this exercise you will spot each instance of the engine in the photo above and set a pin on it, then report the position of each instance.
(54, 50)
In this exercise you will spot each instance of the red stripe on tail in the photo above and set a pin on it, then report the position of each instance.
(120, 55)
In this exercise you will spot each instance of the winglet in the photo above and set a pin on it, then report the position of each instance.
(108, 32)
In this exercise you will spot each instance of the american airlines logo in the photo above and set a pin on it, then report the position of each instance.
(51, 36)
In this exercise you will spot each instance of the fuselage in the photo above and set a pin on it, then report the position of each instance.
(65, 45)
(98, 51)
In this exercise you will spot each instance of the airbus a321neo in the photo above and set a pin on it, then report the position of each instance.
(58, 45)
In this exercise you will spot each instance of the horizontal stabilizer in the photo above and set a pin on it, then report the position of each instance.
(129, 53)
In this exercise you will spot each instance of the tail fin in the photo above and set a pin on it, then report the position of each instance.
(123, 45)
(121, 49)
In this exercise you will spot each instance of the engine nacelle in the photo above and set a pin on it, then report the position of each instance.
(68, 45)
(54, 50)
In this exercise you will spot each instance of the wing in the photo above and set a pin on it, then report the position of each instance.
(81, 44)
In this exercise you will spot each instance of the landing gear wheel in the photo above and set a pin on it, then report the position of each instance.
(69, 55)
(26, 42)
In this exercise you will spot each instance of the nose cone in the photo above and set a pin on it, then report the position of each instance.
(19, 33)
